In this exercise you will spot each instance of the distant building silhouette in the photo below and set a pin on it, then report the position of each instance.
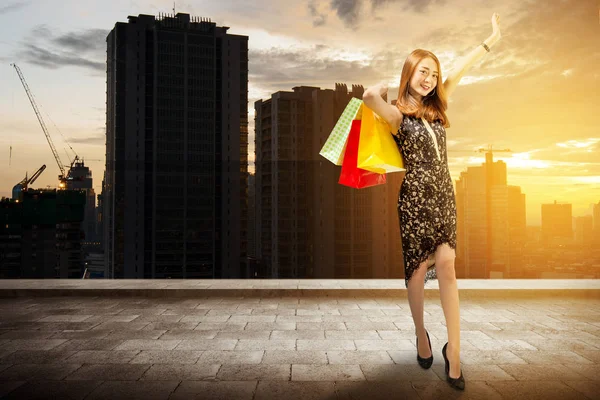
(490, 222)
(557, 224)
(40, 234)
(175, 198)
(584, 230)
(308, 225)
(80, 178)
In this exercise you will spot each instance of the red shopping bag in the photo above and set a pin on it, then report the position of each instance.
(352, 175)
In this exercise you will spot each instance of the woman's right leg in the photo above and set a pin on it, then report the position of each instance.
(416, 300)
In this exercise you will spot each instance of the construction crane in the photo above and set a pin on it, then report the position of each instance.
(489, 152)
(63, 176)
(24, 184)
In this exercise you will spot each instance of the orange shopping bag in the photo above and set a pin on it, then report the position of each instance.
(351, 175)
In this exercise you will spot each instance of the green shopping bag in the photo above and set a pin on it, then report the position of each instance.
(335, 146)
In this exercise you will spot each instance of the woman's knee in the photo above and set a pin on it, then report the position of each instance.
(445, 268)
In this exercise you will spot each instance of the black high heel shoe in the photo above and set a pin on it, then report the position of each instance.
(425, 362)
(457, 383)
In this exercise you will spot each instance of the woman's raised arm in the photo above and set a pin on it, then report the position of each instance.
(373, 98)
(475, 55)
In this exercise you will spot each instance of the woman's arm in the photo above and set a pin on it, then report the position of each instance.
(373, 98)
(470, 59)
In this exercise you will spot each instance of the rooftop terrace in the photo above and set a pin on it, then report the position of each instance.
(292, 339)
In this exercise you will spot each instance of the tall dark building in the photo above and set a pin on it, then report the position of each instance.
(307, 224)
(80, 178)
(175, 199)
(40, 234)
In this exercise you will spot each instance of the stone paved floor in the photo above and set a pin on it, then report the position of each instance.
(292, 348)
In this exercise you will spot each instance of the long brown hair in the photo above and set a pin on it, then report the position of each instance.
(432, 107)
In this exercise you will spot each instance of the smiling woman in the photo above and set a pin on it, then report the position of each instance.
(426, 204)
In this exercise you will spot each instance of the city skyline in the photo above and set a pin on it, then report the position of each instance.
(542, 108)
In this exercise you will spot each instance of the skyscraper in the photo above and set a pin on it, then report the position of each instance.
(490, 219)
(308, 225)
(175, 200)
(80, 177)
(557, 223)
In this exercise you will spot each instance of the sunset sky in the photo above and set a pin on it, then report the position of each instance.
(537, 92)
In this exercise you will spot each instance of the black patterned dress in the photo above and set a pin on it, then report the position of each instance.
(426, 203)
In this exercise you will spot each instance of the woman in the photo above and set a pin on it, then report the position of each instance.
(426, 206)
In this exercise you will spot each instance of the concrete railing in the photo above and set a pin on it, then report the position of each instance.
(481, 288)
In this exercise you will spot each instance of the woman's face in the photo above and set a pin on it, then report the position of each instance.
(424, 79)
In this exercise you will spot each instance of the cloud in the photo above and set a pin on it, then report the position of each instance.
(99, 139)
(86, 49)
(319, 17)
(13, 7)
(352, 12)
(56, 59)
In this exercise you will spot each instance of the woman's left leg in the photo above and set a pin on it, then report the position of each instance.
(444, 263)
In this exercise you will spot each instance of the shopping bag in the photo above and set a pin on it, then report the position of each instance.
(333, 149)
(351, 175)
(377, 150)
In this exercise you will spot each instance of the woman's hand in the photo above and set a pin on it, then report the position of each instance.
(496, 25)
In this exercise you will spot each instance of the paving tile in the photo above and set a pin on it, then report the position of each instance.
(589, 371)
(320, 326)
(36, 356)
(179, 334)
(15, 334)
(120, 326)
(348, 390)
(589, 389)
(352, 334)
(188, 372)
(8, 387)
(33, 344)
(134, 390)
(168, 326)
(23, 372)
(490, 357)
(319, 372)
(500, 344)
(207, 344)
(306, 334)
(396, 372)
(231, 357)
(562, 344)
(256, 335)
(295, 390)
(535, 390)
(102, 356)
(166, 357)
(65, 318)
(433, 390)
(384, 344)
(592, 355)
(270, 326)
(326, 344)
(89, 344)
(254, 372)
(548, 373)
(219, 390)
(148, 344)
(295, 357)
(109, 372)
(52, 390)
(95, 334)
(137, 334)
(225, 326)
(111, 318)
(550, 357)
(359, 357)
(475, 372)
(274, 344)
